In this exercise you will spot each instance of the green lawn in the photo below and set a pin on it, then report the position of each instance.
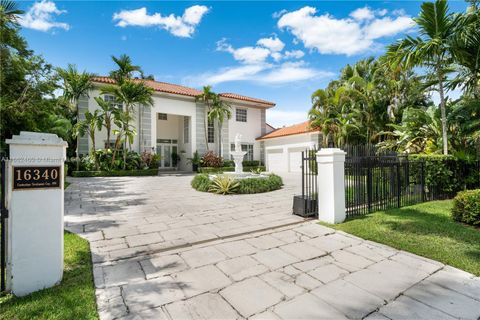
(425, 229)
(74, 298)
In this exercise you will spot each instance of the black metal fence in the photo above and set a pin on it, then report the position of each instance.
(375, 183)
(306, 204)
(3, 217)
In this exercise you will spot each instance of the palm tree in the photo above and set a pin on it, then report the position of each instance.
(432, 49)
(131, 94)
(125, 132)
(75, 85)
(466, 51)
(125, 68)
(107, 114)
(220, 109)
(93, 121)
(9, 13)
(207, 97)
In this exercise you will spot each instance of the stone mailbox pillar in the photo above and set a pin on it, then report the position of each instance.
(35, 223)
(331, 185)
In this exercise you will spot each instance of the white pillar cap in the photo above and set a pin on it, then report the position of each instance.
(37, 138)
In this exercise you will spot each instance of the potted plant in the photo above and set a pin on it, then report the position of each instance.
(195, 161)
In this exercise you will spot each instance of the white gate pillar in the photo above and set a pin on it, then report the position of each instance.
(331, 185)
(35, 204)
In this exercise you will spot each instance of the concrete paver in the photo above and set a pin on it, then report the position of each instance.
(164, 251)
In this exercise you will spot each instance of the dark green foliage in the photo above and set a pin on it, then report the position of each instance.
(116, 173)
(228, 169)
(446, 174)
(259, 185)
(466, 207)
(201, 182)
(251, 163)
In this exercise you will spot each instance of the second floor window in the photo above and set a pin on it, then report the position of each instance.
(111, 99)
(162, 116)
(211, 132)
(241, 115)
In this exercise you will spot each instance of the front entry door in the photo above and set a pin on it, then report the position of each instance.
(165, 150)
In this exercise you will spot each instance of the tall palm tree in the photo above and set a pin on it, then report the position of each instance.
(107, 114)
(93, 122)
(432, 49)
(75, 84)
(130, 94)
(125, 68)
(219, 111)
(125, 132)
(207, 97)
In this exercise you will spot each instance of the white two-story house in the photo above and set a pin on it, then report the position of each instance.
(175, 124)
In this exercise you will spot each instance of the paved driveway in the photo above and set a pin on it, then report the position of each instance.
(124, 217)
(164, 251)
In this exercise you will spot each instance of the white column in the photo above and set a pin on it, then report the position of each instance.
(331, 185)
(35, 223)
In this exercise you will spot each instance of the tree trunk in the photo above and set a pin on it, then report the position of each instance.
(443, 111)
(108, 137)
(92, 136)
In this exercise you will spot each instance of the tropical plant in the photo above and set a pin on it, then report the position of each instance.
(124, 132)
(223, 184)
(107, 113)
(218, 112)
(207, 97)
(210, 159)
(130, 94)
(75, 84)
(92, 123)
(125, 68)
(432, 50)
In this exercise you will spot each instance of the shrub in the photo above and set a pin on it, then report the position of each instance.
(210, 159)
(445, 175)
(116, 173)
(228, 163)
(224, 185)
(466, 207)
(259, 185)
(228, 169)
(251, 163)
(149, 160)
(201, 182)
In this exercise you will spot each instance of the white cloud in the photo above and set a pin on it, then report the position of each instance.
(180, 26)
(41, 17)
(248, 55)
(297, 54)
(273, 44)
(387, 26)
(267, 74)
(279, 118)
(278, 14)
(362, 14)
(349, 36)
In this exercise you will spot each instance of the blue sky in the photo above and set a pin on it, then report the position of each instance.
(276, 50)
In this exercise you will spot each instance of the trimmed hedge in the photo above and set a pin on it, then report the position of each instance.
(466, 207)
(228, 169)
(116, 173)
(201, 182)
(445, 175)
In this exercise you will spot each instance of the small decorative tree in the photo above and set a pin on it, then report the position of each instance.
(92, 122)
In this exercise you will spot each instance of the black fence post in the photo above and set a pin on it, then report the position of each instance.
(369, 186)
(399, 187)
(3, 216)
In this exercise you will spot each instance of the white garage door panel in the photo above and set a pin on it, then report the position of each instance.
(295, 161)
(276, 161)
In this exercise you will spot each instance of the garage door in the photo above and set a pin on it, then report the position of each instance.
(276, 161)
(295, 161)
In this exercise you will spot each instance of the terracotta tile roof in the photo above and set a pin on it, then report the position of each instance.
(185, 91)
(300, 128)
(159, 86)
(245, 98)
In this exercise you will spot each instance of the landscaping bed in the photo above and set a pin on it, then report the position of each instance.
(230, 169)
(425, 229)
(73, 298)
(227, 185)
(116, 173)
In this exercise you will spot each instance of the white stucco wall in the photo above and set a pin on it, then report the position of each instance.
(249, 130)
(282, 147)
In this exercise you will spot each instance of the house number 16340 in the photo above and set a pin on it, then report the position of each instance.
(36, 177)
